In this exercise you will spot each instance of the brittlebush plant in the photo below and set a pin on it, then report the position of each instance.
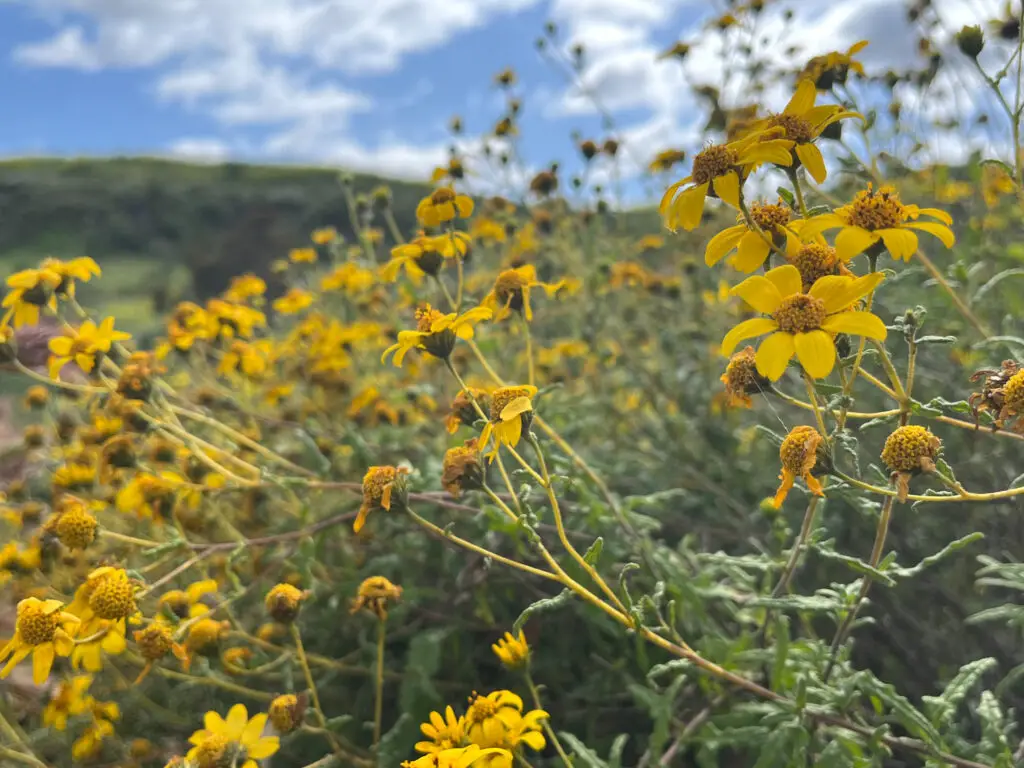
(503, 491)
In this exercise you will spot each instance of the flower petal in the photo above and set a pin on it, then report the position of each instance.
(688, 208)
(727, 188)
(803, 99)
(810, 157)
(760, 293)
(748, 329)
(42, 662)
(900, 243)
(753, 250)
(944, 233)
(774, 354)
(856, 324)
(936, 213)
(722, 243)
(816, 352)
(786, 278)
(518, 406)
(851, 292)
(264, 748)
(254, 729)
(853, 240)
(235, 723)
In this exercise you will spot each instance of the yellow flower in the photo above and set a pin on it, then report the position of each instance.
(230, 320)
(252, 359)
(803, 324)
(155, 642)
(497, 720)
(188, 603)
(511, 411)
(798, 455)
(244, 287)
(293, 302)
(82, 268)
(459, 757)
(41, 629)
(348, 277)
(283, 602)
(374, 595)
(486, 230)
(752, 247)
(84, 346)
(722, 168)
(236, 740)
(831, 68)
(379, 486)
(511, 292)
(88, 745)
(71, 699)
(879, 216)
(436, 333)
(443, 205)
(513, 652)
(742, 380)
(302, 255)
(425, 255)
(30, 290)
(802, 123)
(324, 235)
(446, 732)
(666, 160)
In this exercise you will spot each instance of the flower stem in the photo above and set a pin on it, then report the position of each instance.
(378, 709)
(544, 723)
(300, 653)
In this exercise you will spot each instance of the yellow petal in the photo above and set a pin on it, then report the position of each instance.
(42, 662)
(254, 729)
(760, 293)
(856, 324)
(816, 352)
(264, 748)
(515, 408)
(847, 294)
(61, 346)
(786, 278)
(815, 225)
(771, 151)
(803, 99)
(670, 194)
(235, 723)
(853, 240)
(464, 205)
(688, 208)
(945, 234)
(900, 243)
(748, 329)
(810, 157)
(774, 354)
(937, 213)
(753, 250)
(213, 722)
(727, 188)
(724, 242)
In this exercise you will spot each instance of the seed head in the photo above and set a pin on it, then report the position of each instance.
(286, 712)
(717, 160)
(742, 379)
(911, 448)
(35, 625)
(283, 602)
(73, 524)
(374, 595)
(461, 469)
(155, 641)
(815, 260)
(113, 597)
(800, 313)
(204, 636)
(970, 40)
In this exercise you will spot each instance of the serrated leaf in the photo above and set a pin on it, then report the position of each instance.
(593, 554)
(855, 564)
(586, 755)
(812, 603)
(944, 706)
(935, 340)
(541, 606)
(946, 551)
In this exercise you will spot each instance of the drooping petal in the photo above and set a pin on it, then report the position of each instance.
(786, 278)
(810, 157)
(518, 406)
(936, 213)
(816, 352)
(748, 329)
(853, 240)
(753, 250)
(900, 243)
(856, 324)
(727, 188)
(803, 98)
(771, 151)
(688, 208)
(851, 292)
(945, 234)
(774, 354)
(42, 662)
(760, 293)
(722, 243)
(670, 195)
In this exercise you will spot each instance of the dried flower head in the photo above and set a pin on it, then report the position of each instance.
(741, 379)
(283, 602)
(461, 469)
(908, 451)
(1002, 395)
(374, 595)
(286, 712)
(798, 456)
(382, 487)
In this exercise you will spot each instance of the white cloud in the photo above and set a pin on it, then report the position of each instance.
(203, 150)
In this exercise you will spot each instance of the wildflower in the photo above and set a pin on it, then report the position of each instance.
(250, 358)
(302, 255)
(1001, 394)
(293, 302)
(380, 487)
(826, 70)
(666, 160)
(752, 246)
(150, 495)
(721, 168)
(506, 78)
(487, 230)
(798, 455)
(995, 182)
(447, 732)
(283, 602)
(443, 205)
(37, 397)
(70, 700)
(511, 292)
(230, 320)
(461, 469)
(511, 413)
(34, 436)
(88, 745)
(82, 268)
(436, 333)
(374, 595)
(30, 290)
(85, 346)
(425, 255)
(188, 603)
(801, 323)
(190, 322)
(242, 288)
(815, 261)
(497, 720)
(513, 652)
(802, 123)
(236, 740)
(908, 451)
(204, 638)
(104, 603)
(348, 277)
(545, 182)
(742, 379)
(678, 50)
(41, 629)
(879, 216)
(155, 642)
(459, 757)
(324, 235)
(463, 411)
(286, 712)
(72, 523)
(629, 274)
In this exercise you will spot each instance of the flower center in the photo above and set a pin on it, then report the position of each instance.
(800, 313)
(480, 710)
(442, 196)
(794, 128)
(425, 317)
(1013, 393)
(375, 481)
(503, 396)
(113, 598)
(36, 627)
(717, 160)
(770, 218)
(154, 641)
(814, 261)
(877, 210)
(213, 753)
(797, 453)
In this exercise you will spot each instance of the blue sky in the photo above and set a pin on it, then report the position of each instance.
(365, 85)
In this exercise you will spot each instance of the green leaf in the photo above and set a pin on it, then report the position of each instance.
(854, 564)
(422, 662)
(615, 756)
(781, 651)
(582, 751)
(541, 606)
(812, 603)
(946, 551)
(1015, 272)
(593, 554)
(935, 340)
(786, 195)
(942, 708)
